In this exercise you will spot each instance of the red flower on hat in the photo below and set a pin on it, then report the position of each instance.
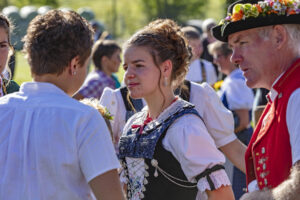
(259, 9)
(237, 16)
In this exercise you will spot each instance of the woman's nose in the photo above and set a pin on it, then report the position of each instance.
(129, 74)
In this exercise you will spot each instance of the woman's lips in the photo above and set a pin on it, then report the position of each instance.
(130, 85)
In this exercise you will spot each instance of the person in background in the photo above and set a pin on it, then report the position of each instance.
(265, 39)
(165, 149)
(199, 70)
(237, 97)
(52, 146)
(6, 50)
(106, 58)
(207, 39)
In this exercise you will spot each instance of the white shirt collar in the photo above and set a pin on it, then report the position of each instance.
(40, 87)
(273, 93)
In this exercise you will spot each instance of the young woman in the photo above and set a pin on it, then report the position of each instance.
(165, 149)
(6, 50)
(106, 58)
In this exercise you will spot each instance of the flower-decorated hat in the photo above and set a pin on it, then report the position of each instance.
(247, 14)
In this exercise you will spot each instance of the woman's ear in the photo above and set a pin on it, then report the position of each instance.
(166, 68)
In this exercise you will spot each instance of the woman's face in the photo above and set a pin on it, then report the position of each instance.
(114, 61)
(4, 48)
(141, 74)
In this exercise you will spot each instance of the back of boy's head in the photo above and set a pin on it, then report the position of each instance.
(191, 33)
(103, 48)
(54, 39)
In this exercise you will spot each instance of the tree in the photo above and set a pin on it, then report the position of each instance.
(174, 9)
(21, 3)
(3, 4)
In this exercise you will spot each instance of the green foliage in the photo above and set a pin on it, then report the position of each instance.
(21, 3)
(175, 9)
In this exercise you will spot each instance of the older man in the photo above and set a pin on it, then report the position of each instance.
(265, 39)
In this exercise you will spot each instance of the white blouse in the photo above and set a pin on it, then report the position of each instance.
(190, 143)
(218, 119)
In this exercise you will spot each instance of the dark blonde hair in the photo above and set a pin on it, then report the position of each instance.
(221, 47)
(54, 39)
(164, 40)
(103, 48)
(191, 33)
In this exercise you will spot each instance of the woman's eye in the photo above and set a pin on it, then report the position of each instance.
(3, 46)
(125, 67)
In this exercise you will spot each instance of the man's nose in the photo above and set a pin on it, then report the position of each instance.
(236, 57)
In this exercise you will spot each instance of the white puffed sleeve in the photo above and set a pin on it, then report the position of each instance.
(293, 124)
(112, 100)
(190, 143)
(218, 119)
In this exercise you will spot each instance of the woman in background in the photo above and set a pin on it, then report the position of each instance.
(6, 50)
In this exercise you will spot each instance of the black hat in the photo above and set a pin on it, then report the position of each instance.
(247, 14)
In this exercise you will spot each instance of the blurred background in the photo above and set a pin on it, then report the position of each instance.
(119, 18)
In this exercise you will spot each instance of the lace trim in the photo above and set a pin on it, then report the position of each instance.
(219, 178)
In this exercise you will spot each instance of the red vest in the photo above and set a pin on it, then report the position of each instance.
(268, 157)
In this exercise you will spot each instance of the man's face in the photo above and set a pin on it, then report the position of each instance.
(253, 54)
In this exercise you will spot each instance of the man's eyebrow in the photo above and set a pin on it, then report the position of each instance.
(237, 40)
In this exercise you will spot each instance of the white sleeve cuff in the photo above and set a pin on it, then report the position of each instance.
(219, 178)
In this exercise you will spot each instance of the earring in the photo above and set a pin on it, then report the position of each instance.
(165, 83)
(74, 73)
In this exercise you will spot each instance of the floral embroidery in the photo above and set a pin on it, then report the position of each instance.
(262, 9)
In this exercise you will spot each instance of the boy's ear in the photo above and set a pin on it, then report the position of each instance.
(73, 66)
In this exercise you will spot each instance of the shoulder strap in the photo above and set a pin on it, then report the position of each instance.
(124, 92)
(203, 71)
(137, 103)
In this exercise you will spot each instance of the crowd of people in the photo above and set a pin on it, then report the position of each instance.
(164, 132)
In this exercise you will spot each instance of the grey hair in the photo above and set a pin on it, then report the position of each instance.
(264, 33)
(292, 29)
(294, 33)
